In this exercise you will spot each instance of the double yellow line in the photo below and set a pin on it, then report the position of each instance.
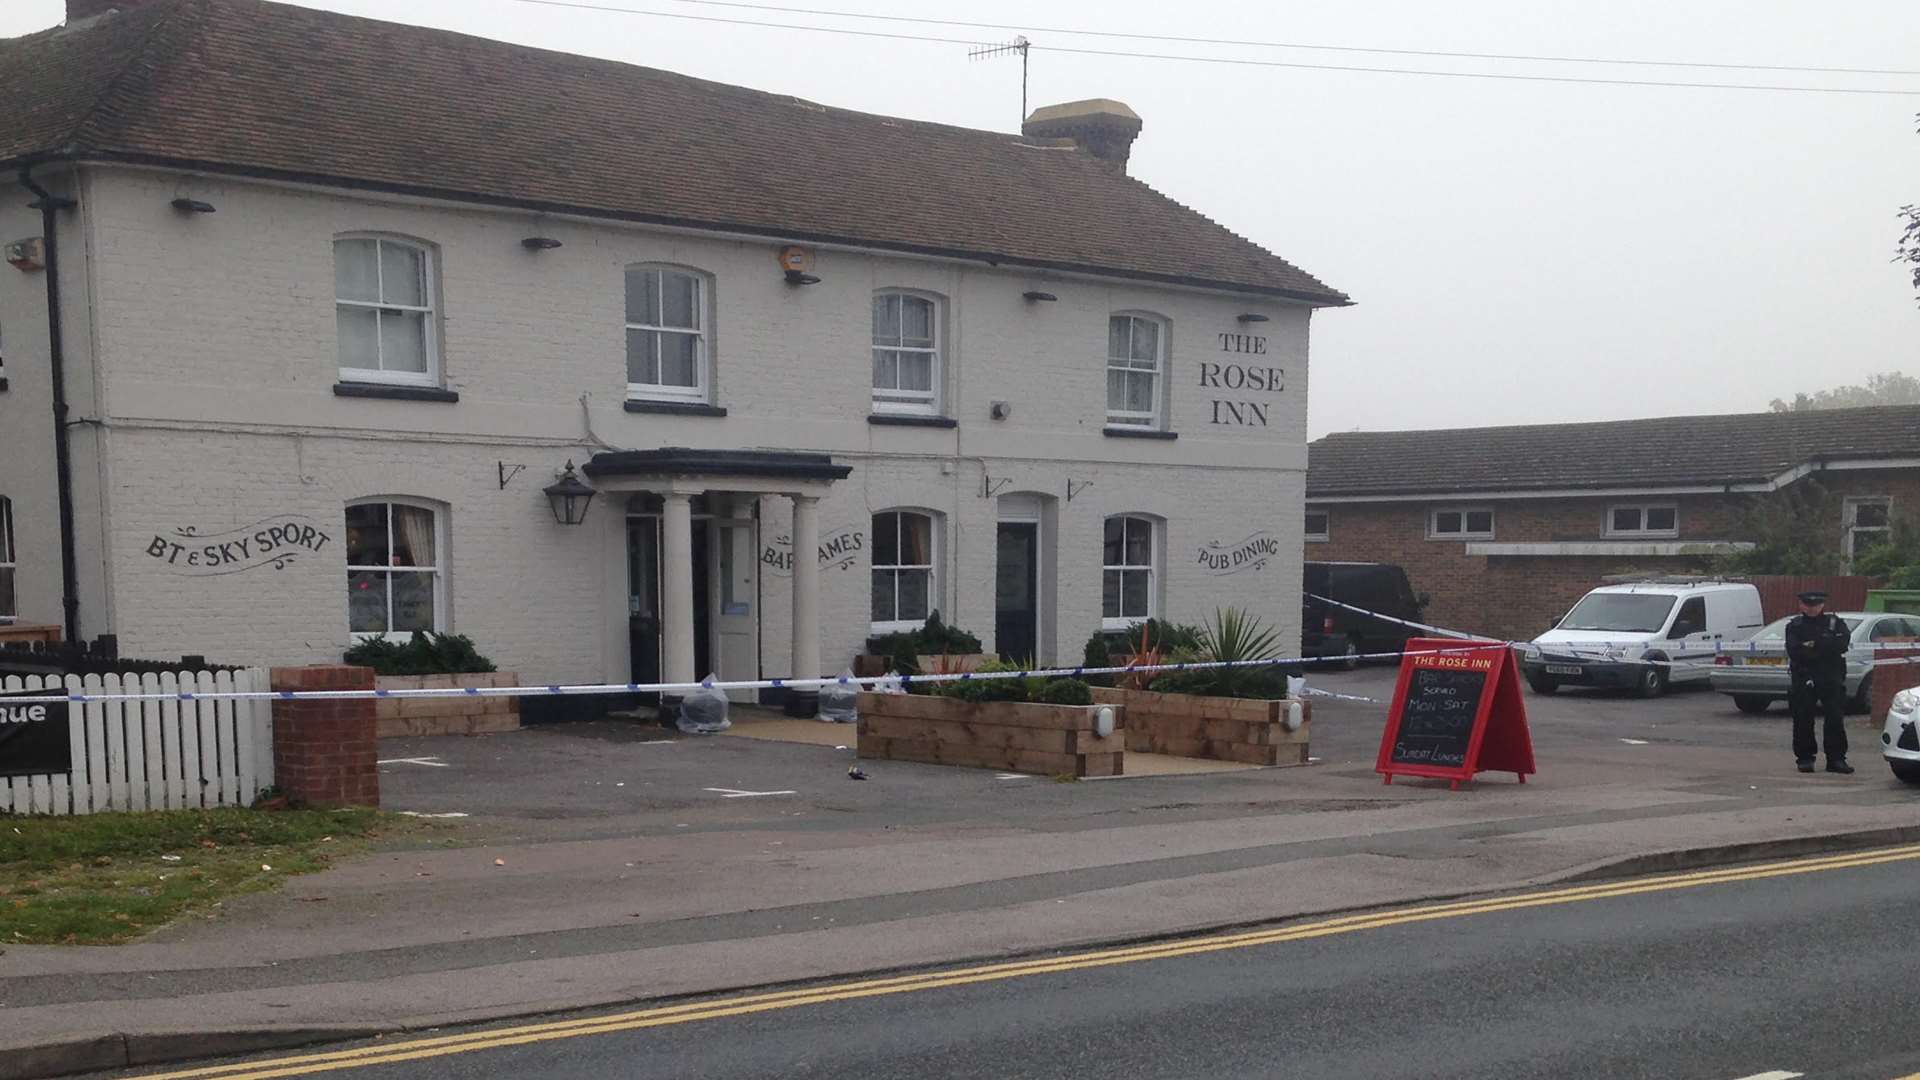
(416, 1049)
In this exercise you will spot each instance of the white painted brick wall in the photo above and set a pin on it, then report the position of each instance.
(216, 336)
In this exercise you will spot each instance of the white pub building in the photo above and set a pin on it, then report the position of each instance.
(307, 316)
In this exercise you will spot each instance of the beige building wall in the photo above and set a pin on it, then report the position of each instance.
(216, 336)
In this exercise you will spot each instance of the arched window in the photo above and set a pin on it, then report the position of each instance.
(383, 292)
(904, 558)
(1136, 369)
(9, 604)
(906, 352)
(1129, 567)
(667, 334)
(396, 567)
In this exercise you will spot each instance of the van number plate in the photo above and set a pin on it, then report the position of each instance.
(1564, 669)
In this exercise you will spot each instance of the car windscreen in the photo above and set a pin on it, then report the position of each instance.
(1624, 612)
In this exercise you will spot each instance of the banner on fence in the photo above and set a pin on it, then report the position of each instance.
(34, 737)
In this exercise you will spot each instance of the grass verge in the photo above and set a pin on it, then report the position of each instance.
(104, 879)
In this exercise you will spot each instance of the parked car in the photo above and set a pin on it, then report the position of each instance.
(1608, 635)
(1330, 631)
(1899, 741)
(1756, 676)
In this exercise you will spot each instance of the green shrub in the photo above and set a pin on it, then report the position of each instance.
(426, 653)
(1033, 688)
(936, 638)
(1067, 692)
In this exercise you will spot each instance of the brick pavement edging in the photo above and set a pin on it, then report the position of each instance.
(326, 753)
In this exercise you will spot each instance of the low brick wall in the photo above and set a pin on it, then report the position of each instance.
(325, 753)
(1223, 729)
(1890, 679)
(447, 716)
(1013, 736)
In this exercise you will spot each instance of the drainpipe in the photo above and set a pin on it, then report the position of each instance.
(49, 206)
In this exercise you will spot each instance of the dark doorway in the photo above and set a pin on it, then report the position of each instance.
(643, 601)
(1016, 613)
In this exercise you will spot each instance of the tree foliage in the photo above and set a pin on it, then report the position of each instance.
(1795, 532)
(1886, 388)
(1907, 251)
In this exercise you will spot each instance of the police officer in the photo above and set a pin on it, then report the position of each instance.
(1817, 643)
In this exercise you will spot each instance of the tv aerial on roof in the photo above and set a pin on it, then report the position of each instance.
(1020, 45)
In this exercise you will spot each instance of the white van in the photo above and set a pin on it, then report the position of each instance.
(1612, 627)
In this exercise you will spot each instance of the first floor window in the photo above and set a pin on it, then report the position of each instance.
(383, 308)
(666, 334)
(902, 569)
(9, 606)
(1318, 523)
(1460, 524)
(1643, 519)
(394, 571)
(1127, 571)
(906, 353)
(1136, 348)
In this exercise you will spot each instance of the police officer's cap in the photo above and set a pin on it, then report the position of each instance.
(1813, 596)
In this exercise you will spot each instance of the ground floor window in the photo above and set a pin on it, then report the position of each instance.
(9, 607)
(1127, 558)
(395, 580)
(903, 564)
(1319, 523)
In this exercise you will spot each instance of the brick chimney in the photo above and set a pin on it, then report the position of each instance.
(87, 9)
(1100, 126)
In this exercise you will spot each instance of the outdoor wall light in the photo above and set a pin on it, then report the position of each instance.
(1252, 317)
(1103, 721)
(1040, 297)
(192, 206)
(539, 243)
(569, 498)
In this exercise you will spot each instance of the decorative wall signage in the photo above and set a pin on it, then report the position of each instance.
(34, 738)
(840, 548)
(1243, 377)
(1219, 560)
(277, 542)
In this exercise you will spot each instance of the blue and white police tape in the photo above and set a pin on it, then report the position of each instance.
(590, 689)
(1439, 631)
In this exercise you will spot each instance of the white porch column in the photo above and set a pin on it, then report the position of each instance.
(806, 587)
(676, 589)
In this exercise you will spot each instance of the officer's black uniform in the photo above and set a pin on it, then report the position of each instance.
(1817, 654)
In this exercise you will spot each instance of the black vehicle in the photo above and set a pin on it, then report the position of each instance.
(1330, 631)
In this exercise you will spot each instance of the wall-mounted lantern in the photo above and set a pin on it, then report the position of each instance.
(569, 498)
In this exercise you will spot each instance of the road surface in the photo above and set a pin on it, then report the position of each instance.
(1797, 968)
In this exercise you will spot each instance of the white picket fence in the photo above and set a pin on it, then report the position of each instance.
(152, 755)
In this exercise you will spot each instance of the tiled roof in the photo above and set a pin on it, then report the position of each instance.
(262, 88)
(1677, 451)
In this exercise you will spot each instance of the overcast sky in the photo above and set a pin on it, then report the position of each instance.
(1520, 252)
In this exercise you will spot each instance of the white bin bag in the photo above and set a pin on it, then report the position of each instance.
(704, 711)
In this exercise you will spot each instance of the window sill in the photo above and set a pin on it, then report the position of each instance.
(1131, 623)
(675, 408)
(1113, 432)
(394, 392)
(1457, 537)
(911, 420)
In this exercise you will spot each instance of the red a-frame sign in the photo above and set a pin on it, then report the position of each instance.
(1457, 710)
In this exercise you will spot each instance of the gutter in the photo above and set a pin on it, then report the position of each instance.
(50, 206)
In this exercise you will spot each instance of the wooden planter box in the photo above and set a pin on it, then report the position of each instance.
(448, 715)
(1014, 736)
(1224, 729)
